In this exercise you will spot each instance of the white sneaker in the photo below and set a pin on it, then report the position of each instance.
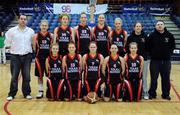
(9, 98)
(39, 95)
(29, 97)
(146, 97)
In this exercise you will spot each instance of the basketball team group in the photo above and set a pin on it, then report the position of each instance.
(84, 59)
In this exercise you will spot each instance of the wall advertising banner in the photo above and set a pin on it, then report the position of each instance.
(78, 8)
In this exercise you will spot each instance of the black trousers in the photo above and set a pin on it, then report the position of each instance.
(164, 68)
(20, 63)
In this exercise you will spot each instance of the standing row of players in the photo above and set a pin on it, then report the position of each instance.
(79, 39)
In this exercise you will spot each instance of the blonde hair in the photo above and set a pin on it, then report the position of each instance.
(133, 43)
(118, 19)
(44, 21)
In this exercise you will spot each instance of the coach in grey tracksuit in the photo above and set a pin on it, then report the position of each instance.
(161, 44)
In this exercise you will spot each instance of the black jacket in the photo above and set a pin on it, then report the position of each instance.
(141, 41)
(161, 45)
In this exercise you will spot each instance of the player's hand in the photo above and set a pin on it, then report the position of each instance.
(103, 86)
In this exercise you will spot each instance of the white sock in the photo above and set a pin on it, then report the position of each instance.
(40, 87)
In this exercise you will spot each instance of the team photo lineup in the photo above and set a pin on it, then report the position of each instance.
(94, 56)
(89, 63)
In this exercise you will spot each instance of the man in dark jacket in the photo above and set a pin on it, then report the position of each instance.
(161, 44)
(140, 38)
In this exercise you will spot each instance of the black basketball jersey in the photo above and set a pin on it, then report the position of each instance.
(114, 69)
(73, 67)
(83, 36)
(64, 37)
(133, 66)
(92, 67)
(43, 43)
(55, 67)
(102, 40)
(118, 39)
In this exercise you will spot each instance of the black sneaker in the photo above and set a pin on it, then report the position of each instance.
(152, 97)
(166, 97)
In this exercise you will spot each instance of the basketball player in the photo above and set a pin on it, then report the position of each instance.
(134, 67)
(113, 69)
(101, 34)
(139, 36)
(63, 34)
(83, 35)
(42, 42)
(119, 36)
(55, 74)
(72, 65)
(92, 63)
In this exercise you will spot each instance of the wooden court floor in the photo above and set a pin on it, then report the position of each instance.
(21, 106)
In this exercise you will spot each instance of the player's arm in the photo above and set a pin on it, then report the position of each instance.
(122, 64)
(104, 64)
(110, 37)
(34, 41)
(52, 36)
(75, 33)
(64, 63)
(141, 66)
(109, 29)
(125, 37)
(84, 61)
(101, 60)
(92, 33)
(126, 67)
(55, 35)
(72, 34)
(47, 65)
(80, 62)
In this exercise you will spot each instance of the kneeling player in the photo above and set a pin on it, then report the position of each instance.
(55, 74)
(134, 65)
(113, 68)
(72, 64)
(92, 64)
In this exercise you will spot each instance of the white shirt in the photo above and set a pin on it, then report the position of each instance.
(19, 41)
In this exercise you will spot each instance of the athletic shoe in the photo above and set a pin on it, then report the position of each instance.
(166, 97)
(29, 97)
(146, 97)
(9, 98)
(39, 95)
(152, 97)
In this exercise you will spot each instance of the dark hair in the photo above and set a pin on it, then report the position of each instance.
(82, 13)
(21, 15)
(138, 23)
(92, 42)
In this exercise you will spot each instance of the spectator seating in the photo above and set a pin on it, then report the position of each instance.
(5, 19)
